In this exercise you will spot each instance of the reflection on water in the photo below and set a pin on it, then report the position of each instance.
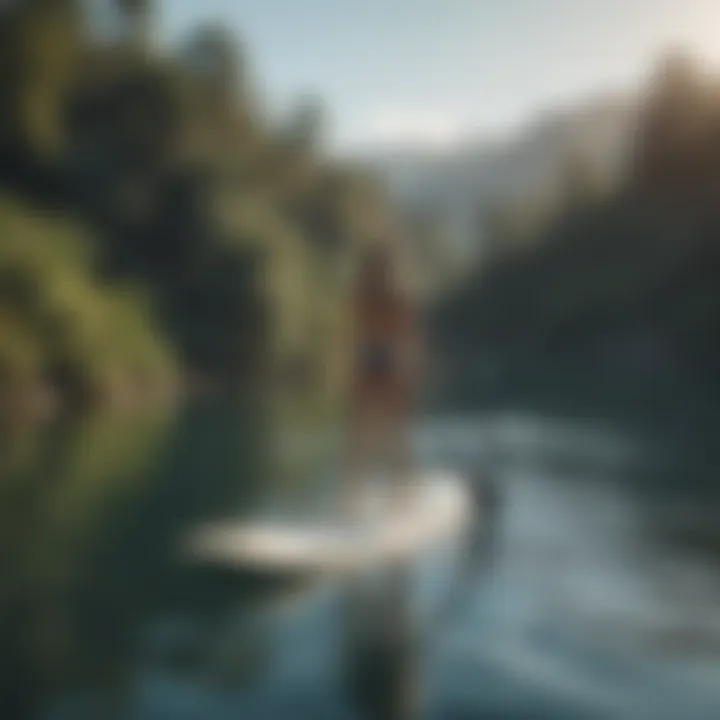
(595, 593)
(91, 511)
(381, 647)
(59, 489)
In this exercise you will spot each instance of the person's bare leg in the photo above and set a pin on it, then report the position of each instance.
(401, 461)
(359, 464)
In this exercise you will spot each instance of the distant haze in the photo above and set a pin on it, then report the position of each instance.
(462, 182)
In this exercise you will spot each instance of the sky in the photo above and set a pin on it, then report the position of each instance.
(432, 72)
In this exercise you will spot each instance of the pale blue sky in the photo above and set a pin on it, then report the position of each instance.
(430, 70)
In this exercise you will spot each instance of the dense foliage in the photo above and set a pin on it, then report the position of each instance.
(238, 228)
(626, 285)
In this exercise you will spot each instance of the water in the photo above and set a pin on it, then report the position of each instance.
(595, 594)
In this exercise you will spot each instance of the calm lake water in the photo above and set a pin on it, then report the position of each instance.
(594, 593)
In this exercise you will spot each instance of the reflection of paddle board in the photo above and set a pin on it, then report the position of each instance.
(439, 506)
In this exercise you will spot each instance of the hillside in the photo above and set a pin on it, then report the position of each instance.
(617, 300)
(213, 244)
(464, 183)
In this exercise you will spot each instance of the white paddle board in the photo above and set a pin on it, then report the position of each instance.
(438, 506)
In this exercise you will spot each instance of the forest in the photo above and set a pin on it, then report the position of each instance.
(617, 294)
(161, 231)
(158, 229)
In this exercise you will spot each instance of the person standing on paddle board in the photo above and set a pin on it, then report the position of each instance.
(386, 372)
